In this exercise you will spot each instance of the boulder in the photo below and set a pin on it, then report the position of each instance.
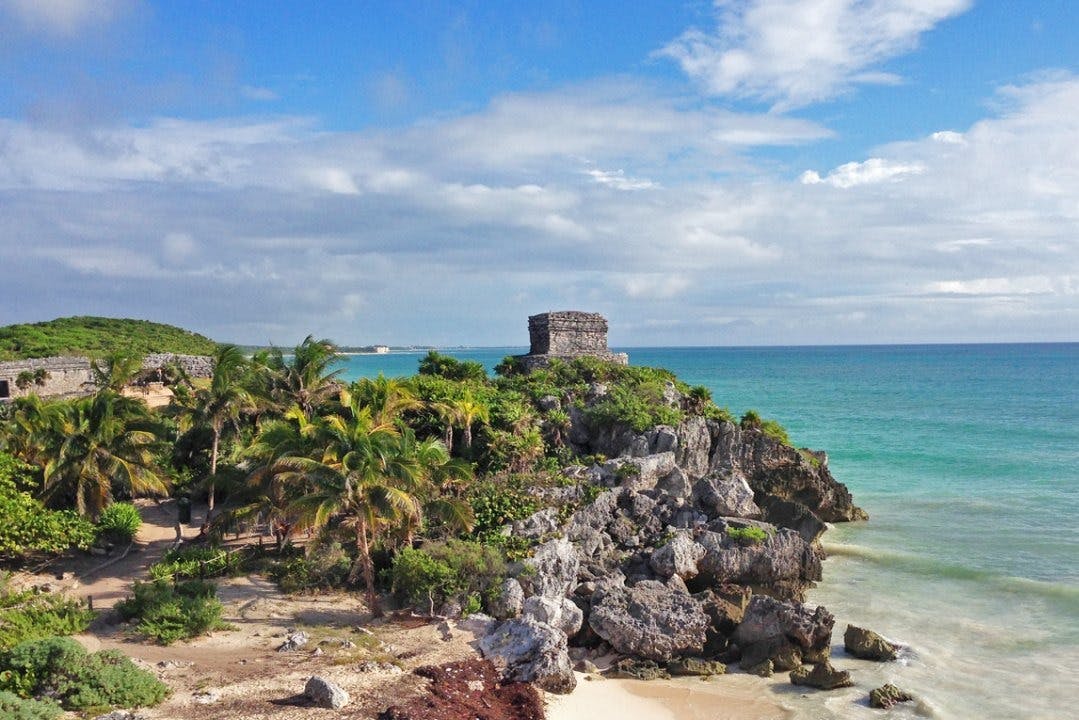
(784, 562)
(868, 645)
(662, 439)
(695, 666)
(294, 641)
(694, 444)
(649, 620)
(508, 603)
(540, 523)
(635, 669)
(767, 619)
(678, 557)
(554, 567)
(325, 693)
(640, 473)
(562, 614)
(887, 696)
(822, 676)
(726, 495)
(676, 484)
(528, 651)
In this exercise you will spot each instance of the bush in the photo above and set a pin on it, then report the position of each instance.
(60, 668)
(641, 407)
(26, 526)
(28, 615)
(498, 502)
(452, 570)
(195, 562)
(753, 420)
(327, 568)
(13, 707)
(422, 579)
(435, 363)
(120, 521)
(168, 612)
(751, 535)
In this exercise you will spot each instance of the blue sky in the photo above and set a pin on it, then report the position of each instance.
(737, 172)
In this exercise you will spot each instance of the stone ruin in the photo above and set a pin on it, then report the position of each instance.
(68, 377)
(566, 335)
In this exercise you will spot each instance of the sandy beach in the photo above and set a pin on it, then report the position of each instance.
(728, 697)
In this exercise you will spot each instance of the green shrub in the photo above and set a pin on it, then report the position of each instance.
(752, 420)
(640, 407)
(327, 568)
(168, 612)
(434, 363)
(120, 521)
(497, 502)
(28, 615)
(421, 578)
(452, 570)
(26, 526)
(13, 707)
(61, 668)
(195, 562)
(751, 535)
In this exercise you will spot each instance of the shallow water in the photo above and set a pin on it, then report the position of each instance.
(967, 459)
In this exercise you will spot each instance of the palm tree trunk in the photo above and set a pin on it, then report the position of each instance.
(364, 552)
(468, 435)
(213, 473)
(447, 437)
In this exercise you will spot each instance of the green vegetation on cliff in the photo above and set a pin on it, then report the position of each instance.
(98, 337)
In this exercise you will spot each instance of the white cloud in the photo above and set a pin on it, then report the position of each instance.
(869, 172)
(262, 94)
(63, 18)
(796, 52)
(618, 180)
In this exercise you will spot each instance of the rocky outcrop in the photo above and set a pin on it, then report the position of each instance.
(784, 562)
(678, 557)
(695, 667)
(325, 693)
(528, 651)
(821, 676)
(649, 620)
(868, 645)
(770, 626)
(888, 696)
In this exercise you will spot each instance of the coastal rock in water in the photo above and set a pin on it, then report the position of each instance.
(822, 676)
(555, 565)
(528, 651)
(325, 693)
(797, 517)
(511, 597)
(784, 562)
(888, 696)
(767, 619)
(678, 557)
(695, 667)
(649, 620)
(868, 645)
(727, 495)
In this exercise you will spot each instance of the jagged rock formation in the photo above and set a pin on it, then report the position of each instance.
(697, 549)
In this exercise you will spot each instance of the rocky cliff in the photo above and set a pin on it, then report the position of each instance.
(700, 544)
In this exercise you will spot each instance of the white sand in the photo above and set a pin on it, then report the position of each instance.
(727, 697)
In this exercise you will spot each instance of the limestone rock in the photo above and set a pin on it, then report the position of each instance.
(325, 693)
(509, 601)
(649, 620)
(784, 562)
(294, 641)
(727, 495)
(554, 566)
(763, 669)
(528, 651)
(538, 524)
(562, 614)
(767, 619)
(678, 557)
(696, 666)
(888, 696)
(822, 676)
(868, 645)
(694, 444)
(634, 669)
(641, 473)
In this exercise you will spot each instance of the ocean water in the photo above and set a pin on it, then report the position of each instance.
(966, 458)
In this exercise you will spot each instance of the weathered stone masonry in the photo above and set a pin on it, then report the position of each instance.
(566, 335)
(72, 376)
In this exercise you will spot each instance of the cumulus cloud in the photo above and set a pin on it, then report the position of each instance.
(871, 171)
(62, 18)
(617, 179)
(796, 52)
(458, 228)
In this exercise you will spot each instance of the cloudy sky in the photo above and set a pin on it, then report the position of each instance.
(728, 173)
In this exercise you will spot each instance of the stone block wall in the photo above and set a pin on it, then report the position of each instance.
(72, 377)
(566, 335)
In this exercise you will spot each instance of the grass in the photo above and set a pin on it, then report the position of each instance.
(98, 337)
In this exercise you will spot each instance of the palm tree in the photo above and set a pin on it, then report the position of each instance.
(305, 379)
(220, 406)
(385, 399)
(470, 411)
(99, 444)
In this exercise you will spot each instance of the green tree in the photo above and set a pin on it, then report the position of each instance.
(306, 379)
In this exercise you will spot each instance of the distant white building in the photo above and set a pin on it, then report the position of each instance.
(381, 349)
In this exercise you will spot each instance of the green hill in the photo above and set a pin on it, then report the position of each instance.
(97, 337)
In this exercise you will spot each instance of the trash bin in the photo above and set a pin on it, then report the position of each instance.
(183, 509)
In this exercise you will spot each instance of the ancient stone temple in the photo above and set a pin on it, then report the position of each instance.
(566, 335)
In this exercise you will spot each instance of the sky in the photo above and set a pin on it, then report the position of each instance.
(738, 172)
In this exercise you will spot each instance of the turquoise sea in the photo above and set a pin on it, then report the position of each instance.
(967, 459)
